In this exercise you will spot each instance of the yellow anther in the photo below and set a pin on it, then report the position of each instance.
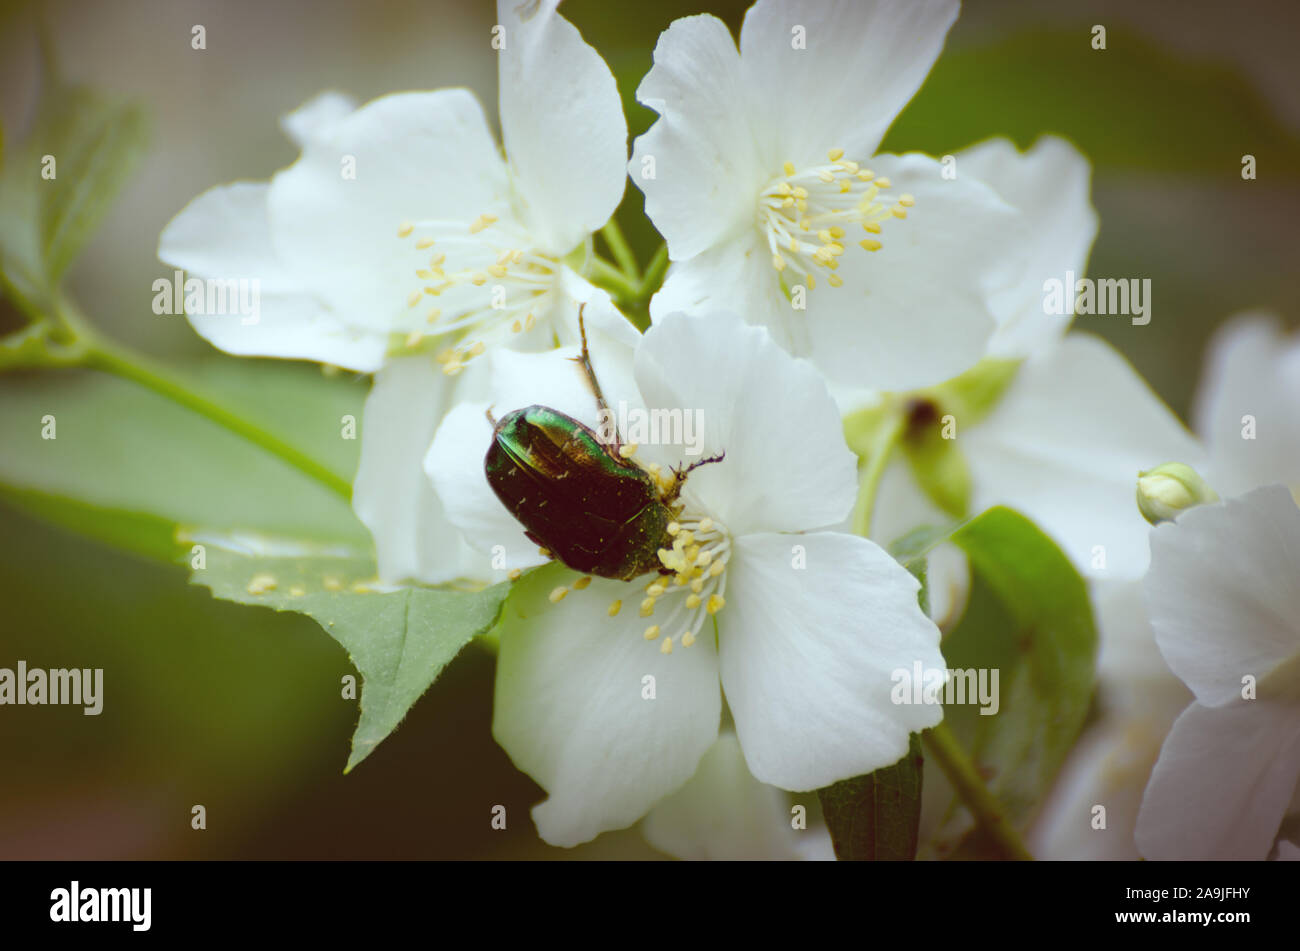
(481, 222)
(477, 349)
(882, 182)
(515, 574)
(788, 167)
(674, 528)
(651, 632)
(424, 274)
(835, 154)
(800, 192)
(706, 525)
(413, 338)
(685, 537)
(405, 229)
(845, 186)
(412, 298)
(627, 450)
(692, 602)
(783, 188)
(826, 176)
(261, 583)
(835, 280)
(705, 559)
(697, 585)
(906, 200)
(582, 583)
(688, 638)
(332, 584)
(558, 594)
(667, 646)
(778, 262)
(432, 291)
(528, 322)
(717, 568)
(497, 270)
(516, 327)
(871, 226)
(866, 175)
(716, 603)
(479, 279)
(647, 607)
(656, 589)
(433, 316)
(615, 607)
(424, 243)
(898, 211)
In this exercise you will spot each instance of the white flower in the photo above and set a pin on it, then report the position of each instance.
(724, 813)
(1246, 374)
(1064, 442)
(809, 624)
(1225, 606)
(762, 174)
(1139, 699)
(402, 236)
(1247, 407)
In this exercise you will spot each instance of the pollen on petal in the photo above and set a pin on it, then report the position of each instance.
(558, 594)
(615, 607)
(582, 582)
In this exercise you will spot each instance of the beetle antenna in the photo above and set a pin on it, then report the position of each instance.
(679, 475)
(490, 418)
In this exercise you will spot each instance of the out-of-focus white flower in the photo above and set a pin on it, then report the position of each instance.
(801, 627)
(403, 241)
(1226, 612)
(762, 175)
(724, 813)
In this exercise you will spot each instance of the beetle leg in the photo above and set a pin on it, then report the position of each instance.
(584, 360)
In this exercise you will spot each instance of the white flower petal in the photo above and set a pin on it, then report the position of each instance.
(1050, 186)
(1222, 592)
(1223, 782)
(562, 121)
(224, 236)
(314, 118)
(1253, 370)
(732, 277)
(921, 309)
(1064, 446)
(724, 813)
(455, 465)
(787, 467)
(418, 157)
(807, 657)
(414, 539)
(697, 164)
(864, 60)
(571, 709)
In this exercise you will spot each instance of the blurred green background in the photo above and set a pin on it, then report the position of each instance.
(239, 709)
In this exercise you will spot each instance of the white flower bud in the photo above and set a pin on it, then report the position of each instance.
(1171, 488)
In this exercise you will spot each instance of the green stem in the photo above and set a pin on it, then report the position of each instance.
(873, 467)
(654, 273)
(603, 274)
(110, 358)
(618, 246)
(961, 772)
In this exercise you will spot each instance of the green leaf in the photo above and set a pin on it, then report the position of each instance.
(127, 453)
(89, 144)
(877, 817)
(399, 640)
(96, 143)
(1028, 617)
